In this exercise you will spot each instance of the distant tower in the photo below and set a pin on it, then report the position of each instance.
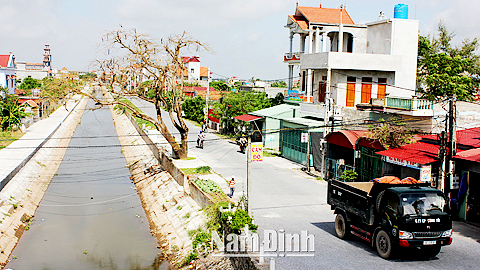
(47, 58)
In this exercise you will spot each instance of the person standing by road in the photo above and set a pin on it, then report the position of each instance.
(232, 186)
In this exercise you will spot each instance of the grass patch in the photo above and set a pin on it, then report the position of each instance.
(319, 178)
(188, 158)
(198, 170)
(140, 123)
(7, 137)
(208, 186)
(271, 154)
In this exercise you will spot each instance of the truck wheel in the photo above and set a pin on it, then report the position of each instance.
(341, 226)
(430, 252)
(383, 244)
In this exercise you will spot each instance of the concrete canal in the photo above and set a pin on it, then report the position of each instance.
(91, 216)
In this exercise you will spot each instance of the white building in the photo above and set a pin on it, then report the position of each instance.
(348, 62)
(33, 70)
(192, 66)
(7, 72)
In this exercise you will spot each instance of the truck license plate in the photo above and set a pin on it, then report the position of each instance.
(429, 243)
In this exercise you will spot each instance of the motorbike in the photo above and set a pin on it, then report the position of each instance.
(200, 143)
(243, 146)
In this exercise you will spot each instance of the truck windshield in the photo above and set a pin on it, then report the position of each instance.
(422, 204)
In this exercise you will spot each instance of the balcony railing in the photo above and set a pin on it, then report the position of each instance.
(410, 104)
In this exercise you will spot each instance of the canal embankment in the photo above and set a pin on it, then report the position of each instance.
(30, 164)
(172, 201)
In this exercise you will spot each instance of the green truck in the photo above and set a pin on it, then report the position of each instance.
(392, 216)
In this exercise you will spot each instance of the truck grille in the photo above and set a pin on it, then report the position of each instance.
(427, 234)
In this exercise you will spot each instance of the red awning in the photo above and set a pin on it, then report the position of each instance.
(247, 117)
(345, 138)
(420, 153)
(470, 155)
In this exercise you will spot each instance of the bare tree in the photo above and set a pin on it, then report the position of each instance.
(134, 55)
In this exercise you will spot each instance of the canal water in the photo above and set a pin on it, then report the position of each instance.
(91, 216)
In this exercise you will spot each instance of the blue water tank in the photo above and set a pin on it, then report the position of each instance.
(401, 11)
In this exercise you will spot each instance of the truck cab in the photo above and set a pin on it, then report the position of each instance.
(392, 216)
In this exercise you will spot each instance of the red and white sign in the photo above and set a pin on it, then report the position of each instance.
(257, 152)
(426, 173)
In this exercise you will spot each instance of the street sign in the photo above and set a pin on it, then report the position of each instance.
(304, 138)
(257, 152)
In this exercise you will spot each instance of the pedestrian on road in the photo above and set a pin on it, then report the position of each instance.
(65, 105)
(232, 186)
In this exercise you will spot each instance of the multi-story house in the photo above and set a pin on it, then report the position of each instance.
(7, 72)
(349, 64)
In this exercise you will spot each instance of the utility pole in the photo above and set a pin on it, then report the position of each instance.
(325, 121)
(206, 98)
(248, 187)
(452, 144)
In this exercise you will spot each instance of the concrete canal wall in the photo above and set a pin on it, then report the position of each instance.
(22, 194)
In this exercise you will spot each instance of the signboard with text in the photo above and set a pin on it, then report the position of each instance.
(295, 95)
(402, 162)
(257, 152)
(426, 173)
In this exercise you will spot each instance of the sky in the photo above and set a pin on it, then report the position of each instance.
(247, 37)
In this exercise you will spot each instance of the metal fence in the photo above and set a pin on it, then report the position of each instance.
(334, 169)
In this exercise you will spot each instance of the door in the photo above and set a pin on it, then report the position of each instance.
(322, 89)
(366, 89)
(382, 87)
(351, 82)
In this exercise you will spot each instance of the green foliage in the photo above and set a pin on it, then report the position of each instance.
(7, 137)
(444, 70)
(145, 88)
(238, 219)
(235, 104)
(220, 86)
(194, 84)
(278, 99)
(200, 237)
(349, 176)
(30, 83)
(207, 186)
(203, 169)
(391, 134)
(198, 170)
(88, 76)
(280, 84)
(11, 113)
(193, 108)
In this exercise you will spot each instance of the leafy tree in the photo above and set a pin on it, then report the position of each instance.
(235, 104)
(29, 83)
(278, 99)
(444, 70)
(220, 86)
(391, 134)
(193, 108)
(280, 84)
(11, 112)
(88, 76)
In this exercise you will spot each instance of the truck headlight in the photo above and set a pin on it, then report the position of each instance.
(405, 235)
(447, 233)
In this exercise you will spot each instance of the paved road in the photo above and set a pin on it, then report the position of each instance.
(284, 198)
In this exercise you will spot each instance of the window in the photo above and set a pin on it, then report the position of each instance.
(192, 70)
(382, 87)
(351, 82)
(366, 89)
